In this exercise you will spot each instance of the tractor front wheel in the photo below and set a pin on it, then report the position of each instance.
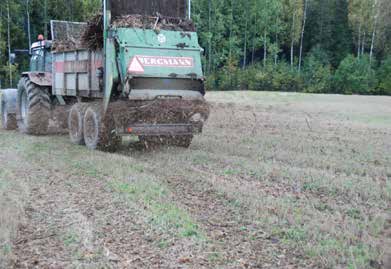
(33, 108)
(99, 132)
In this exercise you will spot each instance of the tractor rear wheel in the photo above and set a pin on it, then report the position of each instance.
(8, 120)
(99, 131)
(75, 123)
(33, 107)
(183, 141)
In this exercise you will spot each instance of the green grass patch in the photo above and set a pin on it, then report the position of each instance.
(86, 168)
(354, 213)
(163, 244)
(6, 249)
(123, 175)
(295, 234)
(214, 257)
(323, 207)
(4, 182)
(372, 119)
(161, 213)
(231, 172)
(70, 239)
(200, 159)
(333, 250)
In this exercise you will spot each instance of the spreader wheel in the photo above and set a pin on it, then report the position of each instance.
(100, 133)
(75, 123)
(183, 141)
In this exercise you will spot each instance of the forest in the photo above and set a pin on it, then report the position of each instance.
(317, 46)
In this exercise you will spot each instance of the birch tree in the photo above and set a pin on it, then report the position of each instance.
(293, 12)
(383, 38)
(375, 15)
(302, 33)
(246, 6)
(361, 20)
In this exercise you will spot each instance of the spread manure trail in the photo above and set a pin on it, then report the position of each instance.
(275, 181)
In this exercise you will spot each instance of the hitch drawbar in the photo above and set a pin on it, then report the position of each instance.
(161, 129)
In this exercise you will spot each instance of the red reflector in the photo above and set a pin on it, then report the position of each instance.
(130, 130)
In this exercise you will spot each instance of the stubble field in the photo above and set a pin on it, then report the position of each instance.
(277, 180)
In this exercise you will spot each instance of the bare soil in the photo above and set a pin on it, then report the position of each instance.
(276, 181)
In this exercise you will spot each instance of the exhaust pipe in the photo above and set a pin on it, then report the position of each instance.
(189, 7)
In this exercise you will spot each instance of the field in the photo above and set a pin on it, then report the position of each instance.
(277, 180)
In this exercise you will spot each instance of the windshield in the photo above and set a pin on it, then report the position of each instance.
(165, 8)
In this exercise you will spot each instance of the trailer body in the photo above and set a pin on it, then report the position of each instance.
(147, 64)
(77, 73)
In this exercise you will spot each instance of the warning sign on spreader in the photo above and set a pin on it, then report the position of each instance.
(135, 66)
(138, 62)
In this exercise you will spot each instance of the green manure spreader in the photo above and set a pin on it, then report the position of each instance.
(134, 69)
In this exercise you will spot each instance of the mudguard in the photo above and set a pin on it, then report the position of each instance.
(40, 78)
(8, 97)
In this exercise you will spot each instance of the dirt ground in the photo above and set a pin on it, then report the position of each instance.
(277, 180)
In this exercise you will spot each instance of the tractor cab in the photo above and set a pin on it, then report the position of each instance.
(41, 58)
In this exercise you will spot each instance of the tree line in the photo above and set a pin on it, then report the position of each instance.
(321, 46)
(338, 46)
(24, 20)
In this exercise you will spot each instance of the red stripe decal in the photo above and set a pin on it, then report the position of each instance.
(75, 66)
(59, 67)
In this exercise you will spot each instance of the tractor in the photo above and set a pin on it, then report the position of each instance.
(141, 79)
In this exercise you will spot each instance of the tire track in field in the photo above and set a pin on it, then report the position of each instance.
(386, 245)
(76, 221)
(236, 242)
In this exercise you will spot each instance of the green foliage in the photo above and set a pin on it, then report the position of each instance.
(384, 77)
(285, 78)
(236, 33)
(40, 13)
(8, 71)
(317, 72)
(280, 77)
(248, 43)
(355, 76)
(328, 27)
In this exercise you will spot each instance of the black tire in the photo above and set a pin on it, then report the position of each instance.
(33, 108)
(75, 123)
(8, 120)
(99, 132)
(183, 141)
